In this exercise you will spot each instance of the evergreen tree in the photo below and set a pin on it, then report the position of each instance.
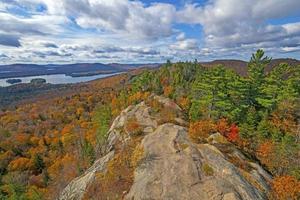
(256, 77)
(169, 63)
(102, 118)
(215, 90)
(88, 151)
(275, 87)
(263, 127)
(142, 82)
(248, 126)
(292, 84)
(38, 163)
(46, 177)
(195, 111)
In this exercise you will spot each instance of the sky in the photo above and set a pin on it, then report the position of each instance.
(146, 31)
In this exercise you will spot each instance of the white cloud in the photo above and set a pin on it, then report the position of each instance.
(127, 30)
(233, 23)
(35, 25)
(184, 44)
(130, 18)
(180, 37)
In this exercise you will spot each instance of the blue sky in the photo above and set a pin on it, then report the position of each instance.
(127, 31)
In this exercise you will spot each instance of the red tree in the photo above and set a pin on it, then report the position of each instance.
(233, 134)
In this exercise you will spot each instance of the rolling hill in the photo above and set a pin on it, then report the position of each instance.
(240, 66)
(78, 69)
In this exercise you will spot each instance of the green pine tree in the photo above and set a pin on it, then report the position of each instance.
(256, 77)
(38, 163)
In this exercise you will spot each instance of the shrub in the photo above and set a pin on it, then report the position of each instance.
(285, 188)
(119, 177)
(137, 156)
(35, 193)
(233, 134)
(200, 130)
(167, 115)
(36, 181)
(155, 105)
(184, 103)
(222, 126)
(133, 127)
(5, 159)
(266, 154)
(138, 97)
(168, 90)
(20, 164)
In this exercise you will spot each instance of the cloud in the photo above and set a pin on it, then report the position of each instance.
(291, 49)
(3, 56)
(233, 23)
(130, 18)
(144, 51)
(108, 49)
(35, 25)
(9, 40)
(48, 53)
(136, 31)
(184, 44)
(50, 45)
(180, 37)
(122, 16)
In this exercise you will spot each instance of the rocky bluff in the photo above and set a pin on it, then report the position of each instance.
(149, 155)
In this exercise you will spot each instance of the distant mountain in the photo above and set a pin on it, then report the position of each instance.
(88, 69)
(78, 69)
(134, 66)
(241, 66)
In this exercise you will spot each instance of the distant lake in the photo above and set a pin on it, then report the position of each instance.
(56, 79)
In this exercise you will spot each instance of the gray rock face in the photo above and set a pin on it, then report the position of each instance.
(173, 167)
(140, 112)
(77, 187)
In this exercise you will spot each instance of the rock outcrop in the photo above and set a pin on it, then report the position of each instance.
(172, 166)
(77, 187)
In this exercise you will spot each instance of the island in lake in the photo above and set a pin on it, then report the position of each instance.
(13, 81)
(38, 81)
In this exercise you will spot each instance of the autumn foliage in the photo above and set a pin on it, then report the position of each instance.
(45, 144)
(117, 180)
(223, 126)
(168, 91)
(133, 127)
(138, 97)
(201, 130)
(285, 188)
(20, 164)
(184, 103)
(266, 154)
(233, 134)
